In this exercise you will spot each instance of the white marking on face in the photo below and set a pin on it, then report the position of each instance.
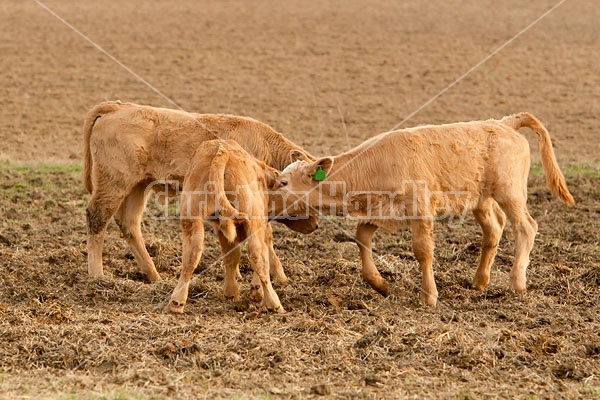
(291, 167)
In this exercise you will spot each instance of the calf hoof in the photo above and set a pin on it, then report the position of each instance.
(280, 279)
(235, 297)
(378, 283)
(518, 286)
(479, 283)
(95, 274)
(278, 310)
(428, 299)
(231, 293)
(256, 294)
(153, 277)
(175, 307)
(383, 288)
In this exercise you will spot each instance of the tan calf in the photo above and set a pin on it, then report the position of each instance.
(413, 176)
(129, 146)
(221, 172)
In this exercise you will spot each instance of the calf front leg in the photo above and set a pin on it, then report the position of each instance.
(364, 234)
(422, 230)
(231, 253)
(193, 245)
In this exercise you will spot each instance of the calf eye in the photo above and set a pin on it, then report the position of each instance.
(283, 183)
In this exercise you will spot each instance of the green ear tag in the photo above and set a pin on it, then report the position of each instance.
(320, 174)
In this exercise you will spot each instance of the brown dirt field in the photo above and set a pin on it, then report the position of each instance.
(328, 75)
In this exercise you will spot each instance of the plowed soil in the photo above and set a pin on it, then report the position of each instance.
(328, 75)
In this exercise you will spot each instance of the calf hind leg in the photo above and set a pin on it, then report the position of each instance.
(231, 253)
(193, 245)
(258, 255)
(275, 268)
(524, 230)
(99, 211)
(129, 219)
(492, 220)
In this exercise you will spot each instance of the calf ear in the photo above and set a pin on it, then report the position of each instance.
(297, 155)
(271, 175)
(320, 168)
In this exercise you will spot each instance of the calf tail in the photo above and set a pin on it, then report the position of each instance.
(227, 213)
(554, 177)
(88, 124)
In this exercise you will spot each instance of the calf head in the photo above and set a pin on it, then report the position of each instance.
(300, 223)
(295, 192)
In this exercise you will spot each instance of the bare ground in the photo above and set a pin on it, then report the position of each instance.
(63, 333)
(328, 76)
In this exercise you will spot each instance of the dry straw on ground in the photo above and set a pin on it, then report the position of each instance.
(64, 333)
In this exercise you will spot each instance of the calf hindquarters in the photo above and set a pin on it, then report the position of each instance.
(248, 222)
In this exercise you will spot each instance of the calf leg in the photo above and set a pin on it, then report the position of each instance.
(525, 233)
(511, 195)
(99, 211)
(231, 253)
(364, 234)
(193, 245)
(129, 219)
(524, 229)
(258, 255)
(422, 230)
(275, 267)
(492, 220)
